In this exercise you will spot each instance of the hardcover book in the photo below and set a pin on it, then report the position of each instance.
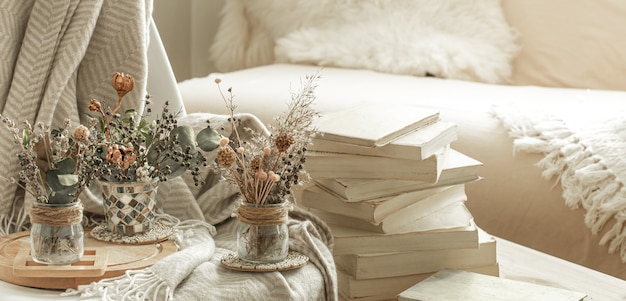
(381, 265)
(453, 284)
(335, 165)
(374, 125)
(457, 168)
(417, 145)
(356, 241)
(372, 211)
(441, 216)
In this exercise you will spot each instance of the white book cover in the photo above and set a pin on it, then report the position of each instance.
(381, 265)
(453, 284)
(372, 211)
(357, 241)
(376, 124)
(388, 288)
(458, 168)
(448, 212)
(419, 144)
(321, 165)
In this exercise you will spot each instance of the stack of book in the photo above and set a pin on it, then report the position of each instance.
(392, 190)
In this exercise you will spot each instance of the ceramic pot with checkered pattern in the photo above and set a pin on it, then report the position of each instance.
(129, 206)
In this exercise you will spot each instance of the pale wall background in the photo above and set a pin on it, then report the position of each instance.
(187, 28)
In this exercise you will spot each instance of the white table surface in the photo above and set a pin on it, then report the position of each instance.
(12, 292)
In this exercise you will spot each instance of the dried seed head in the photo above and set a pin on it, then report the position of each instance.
(122, 83)
(226, 157)
(94, 105)
(81, 133)
(283, 142)
(255, 164)
(260, 175)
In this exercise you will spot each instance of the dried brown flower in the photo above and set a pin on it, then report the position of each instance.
(94, 105)
(122, 83)
(226, 157)
(255, 164)
(81, 133)
(284, 141)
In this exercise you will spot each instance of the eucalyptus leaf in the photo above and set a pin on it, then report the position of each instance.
(69, 179)
(177, 170)
(208, 139)
(66, 166)
(185, 135)
(64, 196)
(57, 180)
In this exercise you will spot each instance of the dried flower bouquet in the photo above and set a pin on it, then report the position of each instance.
(266, 166)
(132, 148)
(53, 166)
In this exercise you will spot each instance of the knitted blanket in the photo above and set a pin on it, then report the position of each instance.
(194, 273)
(55, 56)
(584, 150)
(59, 54)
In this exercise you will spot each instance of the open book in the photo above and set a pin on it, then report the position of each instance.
(451, 284)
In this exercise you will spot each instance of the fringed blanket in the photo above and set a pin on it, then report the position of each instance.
(195, 272)
(585, 150)
(56, 55)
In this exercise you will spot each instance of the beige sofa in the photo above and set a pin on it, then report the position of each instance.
(571, 55)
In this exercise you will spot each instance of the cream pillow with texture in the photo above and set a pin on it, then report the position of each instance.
(570, 43)
(248, 29)
(467, 40)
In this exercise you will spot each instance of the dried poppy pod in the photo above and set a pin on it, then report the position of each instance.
(122, 83)
(283, 142)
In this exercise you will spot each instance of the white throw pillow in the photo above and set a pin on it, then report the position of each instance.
(468, 40)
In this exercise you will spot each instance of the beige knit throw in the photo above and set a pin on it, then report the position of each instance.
(56, 55)
(586, 156)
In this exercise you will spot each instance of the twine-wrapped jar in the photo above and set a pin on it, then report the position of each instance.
(56, 235)
(262, 234)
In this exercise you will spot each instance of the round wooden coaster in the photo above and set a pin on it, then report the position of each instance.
(158, 232)
(294, 260)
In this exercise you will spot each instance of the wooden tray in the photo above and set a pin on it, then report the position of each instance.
(101, 260)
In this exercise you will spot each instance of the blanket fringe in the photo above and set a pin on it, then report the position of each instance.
(585, 179)
(14, 222)
(134, 285)
(145, 284)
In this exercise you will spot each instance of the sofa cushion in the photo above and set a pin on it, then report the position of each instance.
(565, 43)
(468, 40)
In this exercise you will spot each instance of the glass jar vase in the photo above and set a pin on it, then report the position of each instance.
(262, 233)
(56, 234)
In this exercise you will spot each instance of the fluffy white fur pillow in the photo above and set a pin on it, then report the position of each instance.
(468, 40)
